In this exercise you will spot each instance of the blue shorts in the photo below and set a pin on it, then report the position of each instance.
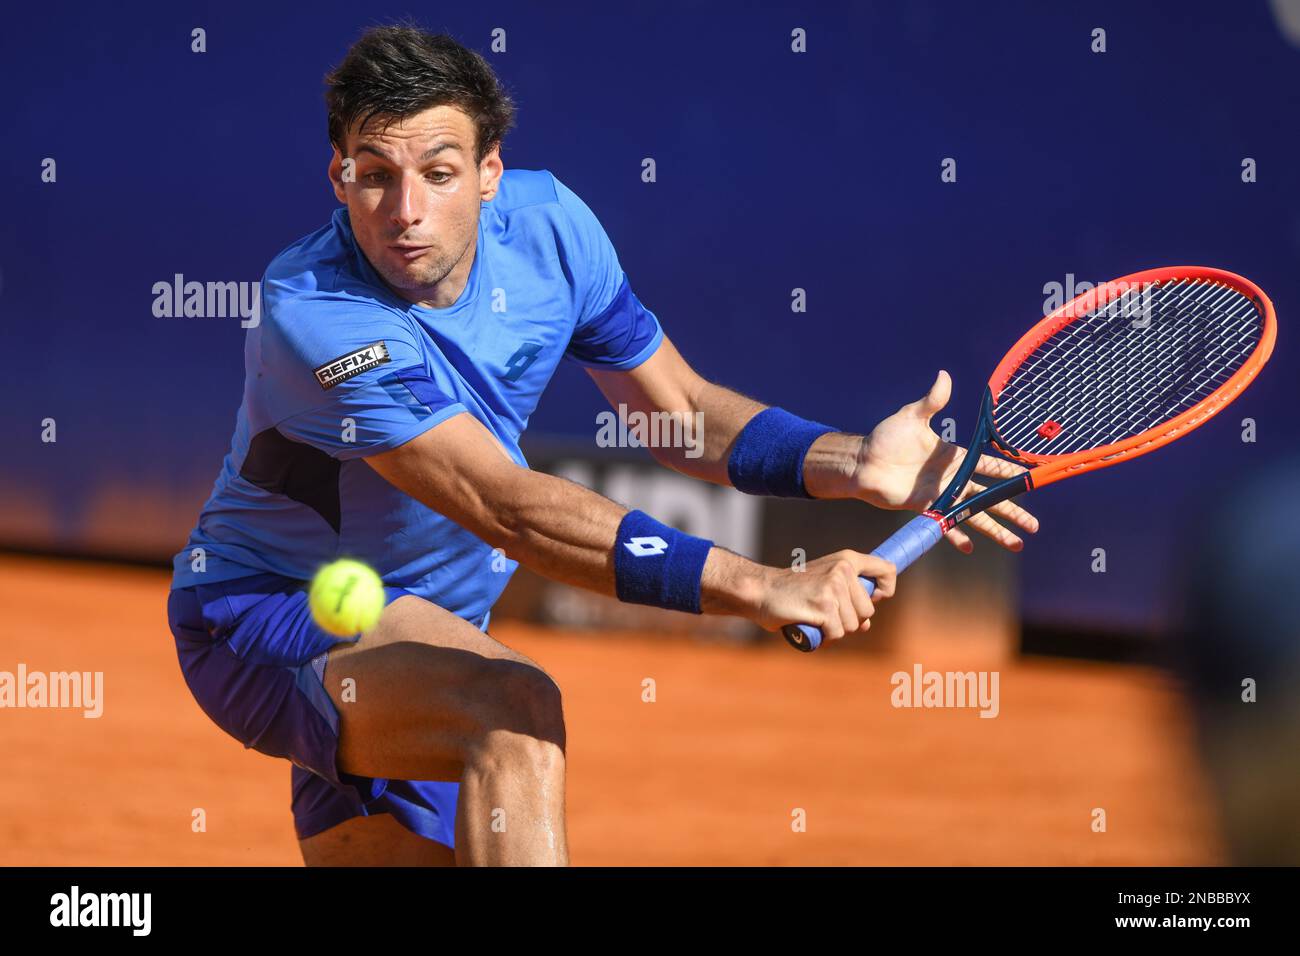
(255, 661)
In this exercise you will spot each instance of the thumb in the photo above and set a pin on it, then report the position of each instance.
(937, 397)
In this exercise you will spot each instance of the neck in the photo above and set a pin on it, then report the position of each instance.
(448, 289)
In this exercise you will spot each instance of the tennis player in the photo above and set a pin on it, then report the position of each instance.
(402, 348)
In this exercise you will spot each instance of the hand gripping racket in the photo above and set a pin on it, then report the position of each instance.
(1115, 373)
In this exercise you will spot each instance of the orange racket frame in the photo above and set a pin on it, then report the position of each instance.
(1046, 469)
(920, 534)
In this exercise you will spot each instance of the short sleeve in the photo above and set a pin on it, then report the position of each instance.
(345, 376)
(613, 329)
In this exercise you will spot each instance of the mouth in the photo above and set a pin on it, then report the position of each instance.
(409, 252)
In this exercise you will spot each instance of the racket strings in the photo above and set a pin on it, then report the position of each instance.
(1143, 358)
(1175, 383)
(1111, 368)
(1046, 370)
(1045, 366)
(1191, 386)
(1175, 371)
(1110, 359)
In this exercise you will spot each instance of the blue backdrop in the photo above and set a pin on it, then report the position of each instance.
(776, 170)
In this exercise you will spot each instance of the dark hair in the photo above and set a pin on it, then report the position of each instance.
(393, 72)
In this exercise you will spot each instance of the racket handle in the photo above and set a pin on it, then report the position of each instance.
(902, 548)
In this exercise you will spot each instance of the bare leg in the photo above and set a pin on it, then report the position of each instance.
(428, 696)
(373, 841)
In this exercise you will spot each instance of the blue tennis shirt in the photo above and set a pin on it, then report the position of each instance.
(339, 368)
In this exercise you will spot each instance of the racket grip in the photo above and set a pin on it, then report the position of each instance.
(902, 548)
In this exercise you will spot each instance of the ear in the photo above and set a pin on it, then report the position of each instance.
(489, 174)
(335, 173)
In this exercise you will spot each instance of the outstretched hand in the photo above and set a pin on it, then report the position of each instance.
(904, 465)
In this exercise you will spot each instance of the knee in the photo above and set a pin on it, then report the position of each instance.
(526, 709)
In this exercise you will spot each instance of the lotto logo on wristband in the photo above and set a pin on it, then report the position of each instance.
(646, 547)
(672, 579)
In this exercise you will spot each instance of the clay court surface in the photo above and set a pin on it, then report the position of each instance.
(707, 774)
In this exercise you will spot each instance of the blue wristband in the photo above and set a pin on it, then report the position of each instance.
(767, 458)
(658, 565)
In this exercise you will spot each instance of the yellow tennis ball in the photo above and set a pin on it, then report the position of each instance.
(346, 598)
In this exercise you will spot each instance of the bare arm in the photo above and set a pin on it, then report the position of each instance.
(567, 532)
(901, 464)
(666, 383)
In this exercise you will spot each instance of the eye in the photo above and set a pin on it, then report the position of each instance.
(376, 177)
(440, 179)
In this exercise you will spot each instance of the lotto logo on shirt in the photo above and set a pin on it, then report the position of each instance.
(354, 363)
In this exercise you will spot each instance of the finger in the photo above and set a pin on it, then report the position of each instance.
(935, 399)
(829, 601)
(956, 454)
(857, 592)
(1017, 515)
(1007, 510)
(848, 613)
(862, 605)
(998, 467)
(960, 540)
(990, 528)
(832, 626)
(883, 573)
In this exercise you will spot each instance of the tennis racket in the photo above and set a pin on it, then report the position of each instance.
(1114, 373)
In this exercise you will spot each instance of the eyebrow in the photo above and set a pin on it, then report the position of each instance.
(426, 155)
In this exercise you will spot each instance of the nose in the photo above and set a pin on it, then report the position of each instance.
(408, 209)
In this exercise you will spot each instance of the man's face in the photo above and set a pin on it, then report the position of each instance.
(414, 204)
